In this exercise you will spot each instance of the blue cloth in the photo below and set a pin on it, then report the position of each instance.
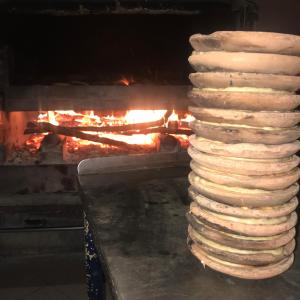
(94, 273)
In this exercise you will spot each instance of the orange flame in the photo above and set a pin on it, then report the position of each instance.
(90, 118)
(126, 81)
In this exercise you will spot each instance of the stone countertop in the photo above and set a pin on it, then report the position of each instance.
(140, 232)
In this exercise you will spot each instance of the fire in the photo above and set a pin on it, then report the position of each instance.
(71, 118)
(126, 81)
(173, 117)
(141, 116)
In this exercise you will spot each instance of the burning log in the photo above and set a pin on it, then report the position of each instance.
(142, 128)
(35, 128)
(162, 130)
(48, 127)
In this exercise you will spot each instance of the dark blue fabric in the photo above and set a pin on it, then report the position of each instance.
(94, 272)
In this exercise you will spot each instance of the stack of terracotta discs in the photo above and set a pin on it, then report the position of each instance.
(244, 169)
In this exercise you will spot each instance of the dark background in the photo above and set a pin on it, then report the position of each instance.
(102, 49)
(279, 16)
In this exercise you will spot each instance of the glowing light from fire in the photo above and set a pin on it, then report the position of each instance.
(70, 118)
(173, 117)
(51, 118)
(140, 116)
(188, 118)
(126, 81)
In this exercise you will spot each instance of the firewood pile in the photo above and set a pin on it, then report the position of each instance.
(244, 169)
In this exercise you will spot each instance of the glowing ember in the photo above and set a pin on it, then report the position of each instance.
(126, 81)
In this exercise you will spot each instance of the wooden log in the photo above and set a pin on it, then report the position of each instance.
(162, 130)
(35, 128)
(47, 127)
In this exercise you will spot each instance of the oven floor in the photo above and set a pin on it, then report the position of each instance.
(55, 277)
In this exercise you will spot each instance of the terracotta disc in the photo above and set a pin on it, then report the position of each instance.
(263, 212)
(244, 100)
(239, 256)
(265, 182)
(239, 241)
(248, 41)
(242, 271)
(244, 166)
(246, 117)
(266, 63)
(246, 150)
(229, 133)
(244, 226)
(240, 196)
(225, 80)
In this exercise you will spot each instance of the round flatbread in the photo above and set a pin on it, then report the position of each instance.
(244, 166)
(245, 62)
(244, 99)
(244, 226)
(240, 241)
(265, 182)
(230, 133)
(248, 41)
(246, 117)
(241, 256)
(236, 81)
(244, 150)
(243, 212)
(239, 270)
(237, 196)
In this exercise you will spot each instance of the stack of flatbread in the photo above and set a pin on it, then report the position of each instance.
(244, 169)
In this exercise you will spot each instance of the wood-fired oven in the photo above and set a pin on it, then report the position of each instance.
(81, 79)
